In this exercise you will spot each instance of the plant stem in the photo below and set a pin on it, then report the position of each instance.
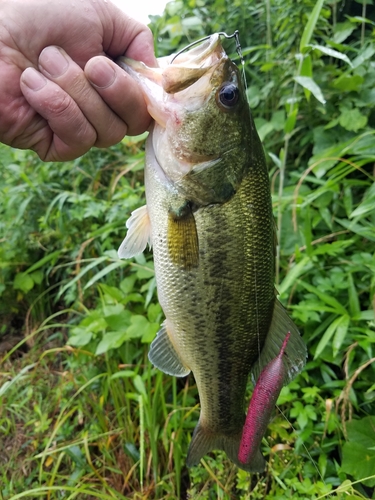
(282, 178)
(363, 24)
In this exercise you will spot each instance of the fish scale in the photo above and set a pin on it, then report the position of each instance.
(209, 218)
(209, 306)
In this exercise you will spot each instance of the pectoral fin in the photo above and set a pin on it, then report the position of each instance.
(182, 237)
(138, 235)
(164, 356)
(295, 354)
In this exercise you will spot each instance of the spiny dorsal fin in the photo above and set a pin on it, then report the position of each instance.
(295, 354)
(138, 235)
(164, 356)
(182, 238)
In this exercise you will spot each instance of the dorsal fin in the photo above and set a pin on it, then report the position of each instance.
(294, 358)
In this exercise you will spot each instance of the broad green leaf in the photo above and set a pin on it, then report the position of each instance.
(342, 31)
(306, 68)
(310, 25)
(112, 309)
(309, 84)
(358, 461)
(127, 284)
(120, 321)
(264, 130)
(362, 431)
(322, 463)
(295, 272)
(332, 53)
(358, 228)
(153, 312)
(354, 305)
(367, 205)
(365, 315)
(253, 96)
(79, 337)
(140, 386)
(324, 297)
(340, 334)
(352, 119)
(366, 54)
(111, 293)
(360, 20)
(37, 276)
(93, 322)
(111, 340)
(364, 208)
(348, 83)
(138, 326)
(331, 330)
(150, 332)
(191, 22)
(278, 120)
(23, 282)
(291, 120)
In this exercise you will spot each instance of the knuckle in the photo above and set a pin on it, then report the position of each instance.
(85, 135)
(113, 134)
(59, 104)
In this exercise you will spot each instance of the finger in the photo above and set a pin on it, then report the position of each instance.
(132, 38)
(58, 67)
(122, 93)
(65, 133)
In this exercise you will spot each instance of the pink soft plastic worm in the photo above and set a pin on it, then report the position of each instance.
(262, 403)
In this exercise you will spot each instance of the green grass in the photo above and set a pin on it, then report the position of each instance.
(83, 414)
(73, 425)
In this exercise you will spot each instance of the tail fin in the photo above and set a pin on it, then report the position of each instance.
(204, 441)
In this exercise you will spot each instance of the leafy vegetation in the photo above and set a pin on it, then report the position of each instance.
(82, 412)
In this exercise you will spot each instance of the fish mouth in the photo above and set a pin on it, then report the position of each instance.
(168, 85)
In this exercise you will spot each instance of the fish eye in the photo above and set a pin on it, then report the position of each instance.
(228, 95)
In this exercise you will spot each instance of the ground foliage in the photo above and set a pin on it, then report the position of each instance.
(82, 412)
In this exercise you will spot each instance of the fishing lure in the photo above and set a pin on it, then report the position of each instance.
(262, 403)
(235, 35)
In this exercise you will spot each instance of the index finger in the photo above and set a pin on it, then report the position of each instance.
(133, 39)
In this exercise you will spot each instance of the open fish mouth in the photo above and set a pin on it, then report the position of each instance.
(190, 71)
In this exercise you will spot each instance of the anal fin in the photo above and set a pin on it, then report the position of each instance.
(138, 235)
(164, 356)
(295, 354)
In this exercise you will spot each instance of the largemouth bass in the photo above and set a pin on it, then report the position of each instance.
(209, 219)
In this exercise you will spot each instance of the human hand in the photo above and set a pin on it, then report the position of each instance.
(59, 94)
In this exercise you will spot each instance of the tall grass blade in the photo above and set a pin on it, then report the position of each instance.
(310, 25)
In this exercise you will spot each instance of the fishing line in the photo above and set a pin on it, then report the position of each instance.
(256, 310)
(304, 446)
(235, 35)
